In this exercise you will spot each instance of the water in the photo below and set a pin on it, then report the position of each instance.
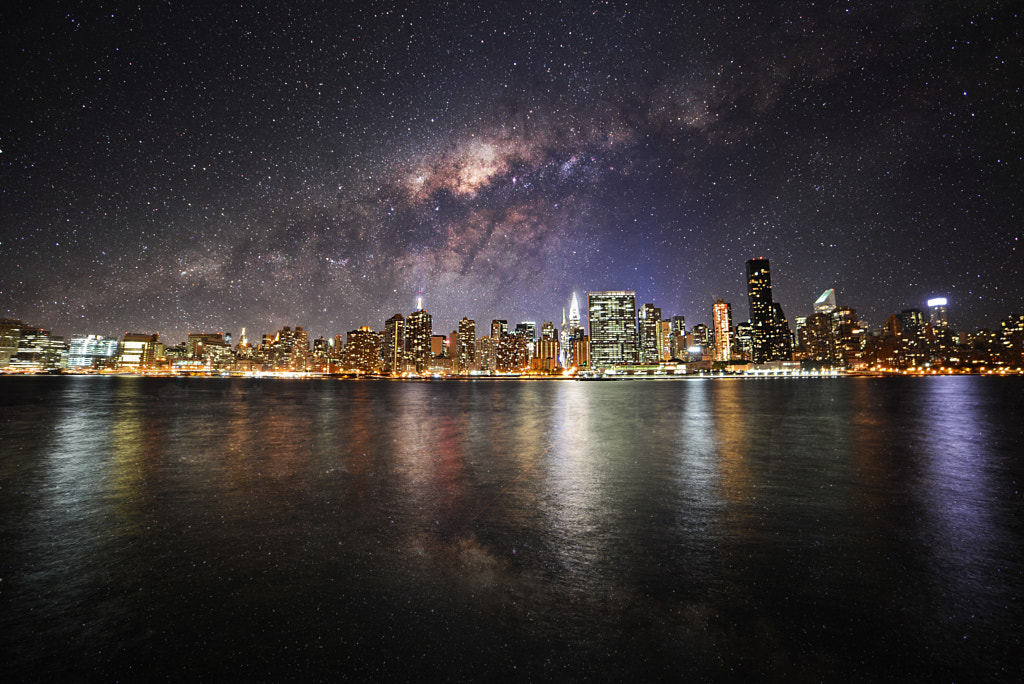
(785, 529)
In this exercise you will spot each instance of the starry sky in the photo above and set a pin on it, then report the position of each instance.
(182, 166)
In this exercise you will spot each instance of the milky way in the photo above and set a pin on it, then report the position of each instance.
(182, 168)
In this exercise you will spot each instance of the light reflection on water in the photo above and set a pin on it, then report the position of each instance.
(775, 528)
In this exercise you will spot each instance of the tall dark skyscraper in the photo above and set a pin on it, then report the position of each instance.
(759, 295)
(393, 345)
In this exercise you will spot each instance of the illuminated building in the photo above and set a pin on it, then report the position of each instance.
(781, 336)
(393, 344)
(499, 328)
(438, 346)
(10, 331)
(138, 351)
(418, 331)
(648, 330)
(826, 303)
(771, 335)
(938, 313)
(511, 354)
(702, 341)
(743, 341)
(487, 354)
(613, 329)
(362, 350)
(289, 349)
(665, 341)
(816, 342)
(581, 351)
(466, 344)
(1011, 335)
(571, 331)
(88, 350)
(723, 330)
(209, 347)
(847, 337)
(759, 297)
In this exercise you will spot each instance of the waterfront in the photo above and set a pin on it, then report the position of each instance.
(836, 528)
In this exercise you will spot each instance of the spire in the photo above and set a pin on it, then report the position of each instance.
(574, 312)
(563, 316)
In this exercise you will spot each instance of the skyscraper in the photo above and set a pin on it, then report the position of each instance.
(393, 344)
(759, 296)
(723, 331)
(937, 312)
(826, 303)
(613, 328)
(418, 331)
(466, 344)
(648, 330)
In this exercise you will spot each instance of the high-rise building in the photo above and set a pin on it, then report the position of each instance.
(486, 354)
(89, 349)
(665, 340)
(759, 296)
(772, 337)
(438, 346)
(418, 331)
(613, 328)
(466, 344)
(499, 328)
(826, 303)
(362, 350)
(723, 330)
(648, 330)
(782, 336)
(393, 344)
(848, 337)
(138, 351)
(938, 314)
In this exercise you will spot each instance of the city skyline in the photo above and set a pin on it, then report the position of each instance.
(189, 167)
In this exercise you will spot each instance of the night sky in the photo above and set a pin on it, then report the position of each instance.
(182, 167)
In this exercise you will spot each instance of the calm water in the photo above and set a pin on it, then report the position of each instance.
(836, 529)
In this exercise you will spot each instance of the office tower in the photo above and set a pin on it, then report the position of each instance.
(826, 303)
(487, 354)
(648, 328)
(743, 341)
(499, 328)
(527, 330)
(210, 347)
(723, 330)
(437, 346)
(87, 350)
(937, 313)
(759, 296)
(511, 353)
(665, 340)
(848, 336)
(466, 345)
(548, 332)
(393, 344)
(613, 329)
(418, 331)
(362, 350)
(290, 348)
(10, 332)
(702, 338)
(782, 336)
(138, 351)
(816, 339)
